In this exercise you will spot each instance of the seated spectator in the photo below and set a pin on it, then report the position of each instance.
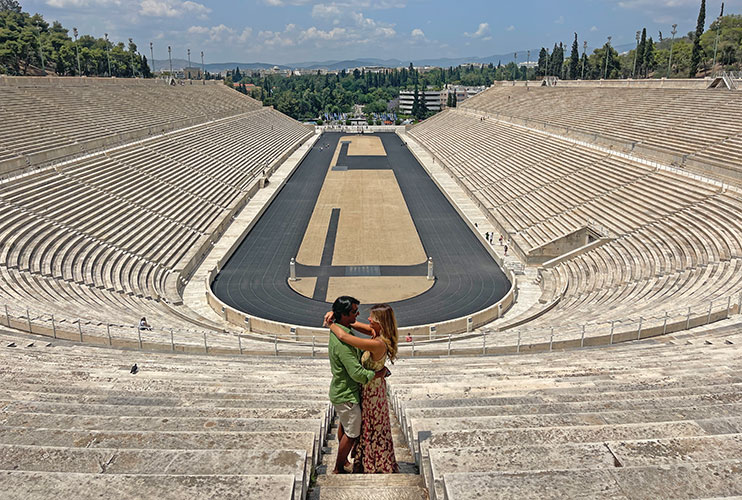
(143, 325)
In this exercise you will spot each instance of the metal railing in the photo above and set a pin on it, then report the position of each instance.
(483, 342)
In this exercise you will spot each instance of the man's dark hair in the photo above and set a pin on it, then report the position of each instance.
(343, 305)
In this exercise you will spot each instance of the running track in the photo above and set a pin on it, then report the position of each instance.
(254, 280)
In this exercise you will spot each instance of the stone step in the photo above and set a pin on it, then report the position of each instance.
(605, 455)
(145, 399)
(425, 426)
(170, 462)
(303, 410)
(456, 411)
(430, 400)
(43, 485)
(563, 435)
(95, 422)
(700, 480)
(116, 389)
(166, 440)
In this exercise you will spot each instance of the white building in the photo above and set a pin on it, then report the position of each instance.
(462, 92)
(435, 100)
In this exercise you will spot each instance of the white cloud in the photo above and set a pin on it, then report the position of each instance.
(664, 11)
(172, 8)
(348, 4)
(61, 4)
(594, 29)
(218, 33)
(283, 38)
(323, 10)
(510, 28)
(482, 32)
(417, 33)
(246, 33)
(559, 20)
(316, 34)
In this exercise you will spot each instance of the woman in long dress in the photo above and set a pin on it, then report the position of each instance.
(375, 448)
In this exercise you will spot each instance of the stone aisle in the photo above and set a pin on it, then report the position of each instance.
(407, 485)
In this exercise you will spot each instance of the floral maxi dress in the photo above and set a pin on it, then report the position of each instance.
(375, 451)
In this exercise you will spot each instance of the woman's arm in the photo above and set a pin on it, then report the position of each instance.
(372, 345)
(363, 328)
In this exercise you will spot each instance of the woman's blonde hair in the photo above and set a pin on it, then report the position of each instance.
(384, 315)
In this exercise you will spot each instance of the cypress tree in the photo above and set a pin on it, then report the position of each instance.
(574, 60)
(649, 57)
(416, 103)
(422, 108)
(695, 58)
(543, 60)
(640, 51)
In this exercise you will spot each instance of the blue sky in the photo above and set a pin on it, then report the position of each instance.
(286, 31)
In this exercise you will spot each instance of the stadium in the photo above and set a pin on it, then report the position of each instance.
(565, 258)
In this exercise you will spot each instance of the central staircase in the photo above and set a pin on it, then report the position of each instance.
(407, 485)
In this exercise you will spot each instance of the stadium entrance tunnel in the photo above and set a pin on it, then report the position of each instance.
(361, 217)
(572, 244)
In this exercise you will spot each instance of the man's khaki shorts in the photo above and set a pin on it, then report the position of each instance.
(349, 415)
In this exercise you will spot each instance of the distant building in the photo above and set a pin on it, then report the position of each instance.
(435, 100)
(192, 73)
(463, 92)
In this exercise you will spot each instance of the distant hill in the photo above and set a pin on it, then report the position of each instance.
(338, 65)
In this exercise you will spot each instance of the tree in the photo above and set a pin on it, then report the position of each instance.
(695, 58)
(649, 62)
(557, 60)
(422, 108)
(640, 51)
(416, 102)
(10, 5)
(543, 61)
(574, 60)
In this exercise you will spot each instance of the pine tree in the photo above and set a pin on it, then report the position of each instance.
(574, 60)
(695, 58)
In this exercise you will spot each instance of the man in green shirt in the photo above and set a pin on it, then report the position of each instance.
(347, 377)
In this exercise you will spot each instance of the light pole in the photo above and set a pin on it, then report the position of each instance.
(131, 52)
(41, 52)
(170, 58)
(108, 57)
(584, 58)
(636, 53)
(189, 64)
(669, 62)
(152, 56)
(718, 32)
(607, 52)
(203, 68)
(515, 70)
(548, 63)
(527, 63)
(77, 51)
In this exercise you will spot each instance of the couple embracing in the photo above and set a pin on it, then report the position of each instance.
(358, 387)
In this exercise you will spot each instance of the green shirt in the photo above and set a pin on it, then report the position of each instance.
(347, 372)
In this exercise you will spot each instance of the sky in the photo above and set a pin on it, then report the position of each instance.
(290, 31)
